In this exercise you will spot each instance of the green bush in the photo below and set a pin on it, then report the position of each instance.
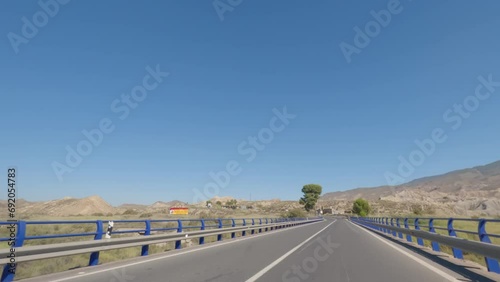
(295, 213)
(361, 207)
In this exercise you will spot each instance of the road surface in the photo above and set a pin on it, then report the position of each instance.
(333, 250)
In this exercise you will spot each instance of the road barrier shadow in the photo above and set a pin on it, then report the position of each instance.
(441, 259)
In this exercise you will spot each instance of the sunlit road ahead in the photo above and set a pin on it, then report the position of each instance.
(333, 250)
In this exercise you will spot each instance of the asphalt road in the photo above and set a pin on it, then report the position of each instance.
(333, 250)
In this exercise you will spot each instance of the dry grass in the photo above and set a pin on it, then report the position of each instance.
(472, 226)
(48, 266)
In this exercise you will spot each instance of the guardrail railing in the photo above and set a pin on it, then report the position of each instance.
(153, 231)
(478, 242)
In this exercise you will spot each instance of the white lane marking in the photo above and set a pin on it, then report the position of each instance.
(345, 268)
(182, 253)
(423, 263)
(274, 263)
(310, 243)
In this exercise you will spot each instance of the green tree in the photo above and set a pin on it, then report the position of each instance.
(361, 207)
(218, 203)
(311, 196)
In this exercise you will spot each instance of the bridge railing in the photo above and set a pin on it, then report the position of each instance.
(443, 231)
(153, 231)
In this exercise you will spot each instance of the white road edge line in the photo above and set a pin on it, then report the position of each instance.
(181, 253)
(422, 262)
(352, 228)
(274, 263)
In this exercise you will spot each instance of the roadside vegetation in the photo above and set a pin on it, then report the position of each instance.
(48, 266)
(225, 211)
(311, 196)
(295, 213)
(361, 207)
(463, 225)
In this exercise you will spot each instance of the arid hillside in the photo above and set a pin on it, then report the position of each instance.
(468, 192)
(95, 206)
(64, 207)
(472, 191)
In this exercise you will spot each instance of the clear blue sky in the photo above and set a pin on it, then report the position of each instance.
(352, 121)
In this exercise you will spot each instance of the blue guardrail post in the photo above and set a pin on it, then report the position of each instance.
(435, 245)
(178, 243)
(9, 271)
(147, 232)
(387, 223)
(400, 234)
(219, 237)
(94, 257)
(253, 223)
(233, 224)
(420, 241)
(202, 239)
(243, 233)
(457, 253)
(492, 264)
(408, 237)
(392, 224)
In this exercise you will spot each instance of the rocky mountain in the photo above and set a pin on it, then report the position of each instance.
(472, 191)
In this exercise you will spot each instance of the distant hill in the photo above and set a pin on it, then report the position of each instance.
(166, 205)
(132, 206)
(475, 190)
(466, 192)
(85, 206)
(95, 206)
(484, 178)
(65, 206)
(372, 193)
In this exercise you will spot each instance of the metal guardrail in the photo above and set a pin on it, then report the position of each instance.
(483, 247)
(173, 231)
